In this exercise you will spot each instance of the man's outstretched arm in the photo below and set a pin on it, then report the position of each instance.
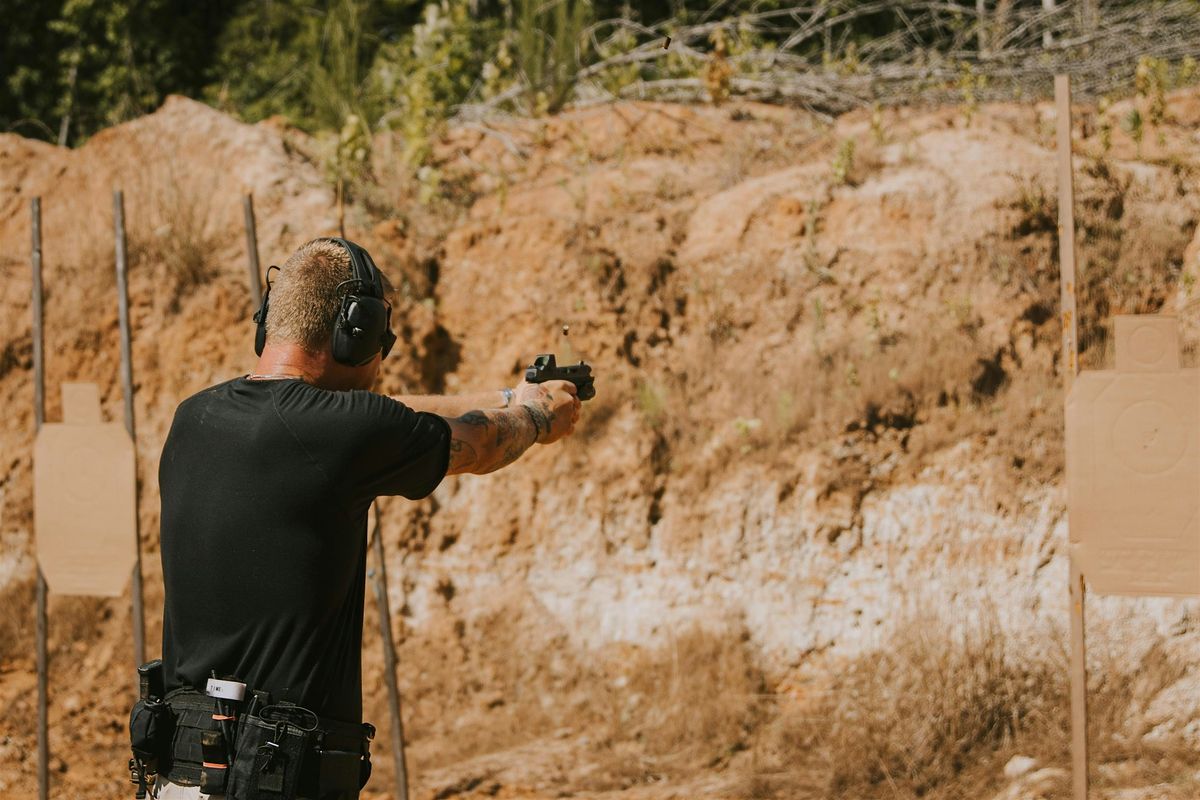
(483, 441)
(454, 405)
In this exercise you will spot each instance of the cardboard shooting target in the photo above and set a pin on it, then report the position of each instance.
(84, 498)
(1133, 466)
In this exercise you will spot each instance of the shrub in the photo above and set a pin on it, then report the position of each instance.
(548, 50)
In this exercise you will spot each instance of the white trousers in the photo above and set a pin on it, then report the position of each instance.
(173, 791)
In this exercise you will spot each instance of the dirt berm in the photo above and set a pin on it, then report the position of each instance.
(829, 415)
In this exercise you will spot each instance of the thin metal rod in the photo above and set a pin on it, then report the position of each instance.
(379, 582)
(1078, 588)
(252, 251)
(39, 416)
(139, 620)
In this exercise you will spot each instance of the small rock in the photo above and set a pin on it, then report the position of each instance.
(1043, 782)
(1018, 766)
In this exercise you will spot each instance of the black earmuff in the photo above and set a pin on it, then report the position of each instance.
(364, 322)
(363, 326)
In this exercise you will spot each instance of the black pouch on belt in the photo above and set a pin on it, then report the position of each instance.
(270, 754)
(343, 755)
(151, 726)
(215, 769)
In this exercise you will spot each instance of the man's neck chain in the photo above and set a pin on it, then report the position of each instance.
(272, 377)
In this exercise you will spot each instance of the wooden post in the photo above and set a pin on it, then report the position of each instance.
(379, 583)
(139, 622)
(1078, 589)
(39, 416)
(252, 251)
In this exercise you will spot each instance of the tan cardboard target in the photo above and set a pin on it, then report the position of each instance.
(84, 496)
(1133, 466)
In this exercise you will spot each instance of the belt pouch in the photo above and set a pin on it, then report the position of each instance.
(268, 761)
(340, 772)
(150, 729)
(193, 717)
(215, 768)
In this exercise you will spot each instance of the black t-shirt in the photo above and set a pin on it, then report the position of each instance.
(265, 490)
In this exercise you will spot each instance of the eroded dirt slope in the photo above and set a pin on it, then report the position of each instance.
(827, 397)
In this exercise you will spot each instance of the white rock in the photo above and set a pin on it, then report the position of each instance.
(1018, 766)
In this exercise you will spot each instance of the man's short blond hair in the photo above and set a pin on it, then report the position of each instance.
(305, 298)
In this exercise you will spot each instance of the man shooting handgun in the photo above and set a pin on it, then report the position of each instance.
(266, 481)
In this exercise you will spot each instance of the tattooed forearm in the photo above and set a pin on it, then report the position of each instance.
(477, 418)
(519, 434)
(462, 456)
(507, 428)
(485, 441)
(540, 416)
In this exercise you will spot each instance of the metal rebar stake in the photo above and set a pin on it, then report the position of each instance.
(139, 621)
(252, 250)
(39, 416)
(379, 583)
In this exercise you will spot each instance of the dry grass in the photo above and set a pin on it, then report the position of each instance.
(1132, 261)
(16, 626)
(693, 703)
(938, 713)
(935, 713)
(645, 713)
(179, 238)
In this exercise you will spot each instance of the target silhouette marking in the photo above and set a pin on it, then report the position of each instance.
(1148, 437)
(85, 490)
(1133, 466)
(1148, 345)
(90, 481)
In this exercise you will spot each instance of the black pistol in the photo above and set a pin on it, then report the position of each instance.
(545, 368)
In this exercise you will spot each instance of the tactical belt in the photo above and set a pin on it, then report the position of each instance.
(279, 752)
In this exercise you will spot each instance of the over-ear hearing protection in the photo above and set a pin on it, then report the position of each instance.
(364, 322)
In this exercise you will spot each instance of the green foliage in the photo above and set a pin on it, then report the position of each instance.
(100, 62)
(970, 84)
(548, 50)
(433, 69)
(878, 131)
(1187, 72)
(718, 74)
(31, 83)
(843, 163)
(339, 83)
(651, 401)
(1150, 81)
(617, 77)
(311, 63)
(1106, 125)
(408, 64)
(1135, 125)
(258, 63)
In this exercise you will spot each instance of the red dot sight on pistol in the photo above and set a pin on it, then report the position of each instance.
(545, 368)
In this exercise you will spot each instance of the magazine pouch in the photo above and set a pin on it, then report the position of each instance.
(270, 753)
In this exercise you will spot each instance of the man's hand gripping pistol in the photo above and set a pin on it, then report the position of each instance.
(545, 368)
